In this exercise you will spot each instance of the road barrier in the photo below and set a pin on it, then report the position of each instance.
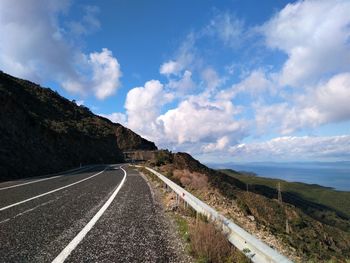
(255, 249)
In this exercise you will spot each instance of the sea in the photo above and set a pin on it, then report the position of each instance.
(329, 174)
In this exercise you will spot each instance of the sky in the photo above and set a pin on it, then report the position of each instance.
(227, 81)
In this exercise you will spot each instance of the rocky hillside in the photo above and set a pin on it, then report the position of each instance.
(41, 132)
(300, 228)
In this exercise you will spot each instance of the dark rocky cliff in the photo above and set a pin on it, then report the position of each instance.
(41, 132)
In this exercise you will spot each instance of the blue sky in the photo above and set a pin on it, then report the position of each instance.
(223, 80)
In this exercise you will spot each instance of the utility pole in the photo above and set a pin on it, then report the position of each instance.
(280, 201)
(279, 192)
(247, 187)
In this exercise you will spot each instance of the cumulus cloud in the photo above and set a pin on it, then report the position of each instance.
(116, 117)
(315, 36)
(36, 47)
(198, 120)
(103, 77)
(143, 105)
(255, 84)
(170, 67)
(183, 85)
(219, 145)
(32, 33)
(327, 103)
(106, 73)
(289, 148)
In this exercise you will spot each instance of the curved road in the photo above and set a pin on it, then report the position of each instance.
(95, 214)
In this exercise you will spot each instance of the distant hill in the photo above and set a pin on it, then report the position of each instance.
(318, 218)
(309, 197)
(42, 132)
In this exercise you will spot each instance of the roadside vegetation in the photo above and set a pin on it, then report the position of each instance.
(302, 225)
(321, 203)
(338, 200)
(204, 240)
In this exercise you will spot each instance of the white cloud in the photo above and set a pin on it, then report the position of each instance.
(211, 79)
(227, 28)
(116, 117)
(332, 99)
(170, 67)
(294, 148)
(198, 120)
(255, 84)
(106, 73)
(143, 106)
(327, 103)
(32, 33)
(38, 48)
(219, 145)
(184, 84)
(315, 36)
(102, 79)
(185, 58)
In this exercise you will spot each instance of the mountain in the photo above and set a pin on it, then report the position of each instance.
(42, 132)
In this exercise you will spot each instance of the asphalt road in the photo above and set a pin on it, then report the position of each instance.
(97, 214)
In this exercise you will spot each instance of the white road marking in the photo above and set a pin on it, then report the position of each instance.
(3, 221)
(35, 207)
(74, 243)
(29, 210)
(50, 192)
(31, 182)
(44, 179)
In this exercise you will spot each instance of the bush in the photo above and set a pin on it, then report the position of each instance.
(209, 244)
(161, 158)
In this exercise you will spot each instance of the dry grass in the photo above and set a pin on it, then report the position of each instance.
(209, 244)
(206, 243)
(194, 180)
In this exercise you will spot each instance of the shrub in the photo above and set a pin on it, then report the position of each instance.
(192, 180)
(209, 244)
(161, 158)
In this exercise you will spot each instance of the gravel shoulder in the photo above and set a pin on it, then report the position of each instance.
(135, 228)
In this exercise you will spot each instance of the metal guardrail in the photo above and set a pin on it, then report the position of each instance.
(255, 249)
